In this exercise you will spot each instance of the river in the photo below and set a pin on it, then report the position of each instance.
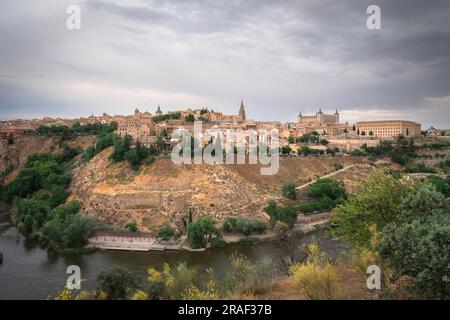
(30, 271)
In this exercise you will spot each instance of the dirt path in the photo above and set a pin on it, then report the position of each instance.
(325, 176)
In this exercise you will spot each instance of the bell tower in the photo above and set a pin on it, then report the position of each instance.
(242, 111)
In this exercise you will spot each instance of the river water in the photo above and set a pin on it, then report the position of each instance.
(30, 271)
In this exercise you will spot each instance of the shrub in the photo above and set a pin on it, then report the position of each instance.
(199, 230)
(289, 190)
(421, 251)
(315, 281)
(217, 242)
(118, 283)
(373, 207)
(286, 214)
(226, 227)
(132, 227)
(171, 283)
(166, 233)
(249, 226)
(330, 188)
(286, 150)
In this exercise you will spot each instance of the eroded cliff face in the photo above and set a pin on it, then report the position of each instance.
(164, 192)
(14, 156)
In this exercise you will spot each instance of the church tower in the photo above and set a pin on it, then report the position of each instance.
(158, 111)
(242, 111)
(319, 116)
(299, 118)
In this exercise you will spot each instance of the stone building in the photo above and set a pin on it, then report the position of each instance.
(389, 128)
(138, 126)
(319, 119)
(321, 122)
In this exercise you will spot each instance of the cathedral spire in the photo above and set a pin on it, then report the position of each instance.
(242, 110)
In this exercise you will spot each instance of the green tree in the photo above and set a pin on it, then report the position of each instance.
(289, 191)
(198, 232)
(375, 205)
(166, 233)
(420, 250)
(305, 150)
(286, 150)
(121, 147)
(132, 227)
(118, 283)
(291, 139)
(330, 188)
(285, 214)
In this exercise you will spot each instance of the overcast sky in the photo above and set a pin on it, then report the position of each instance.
(281, 57)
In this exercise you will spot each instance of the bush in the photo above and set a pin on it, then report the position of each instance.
(226, 227)
(121, 147)
(373, 207)
(286, 150)
(118, 283)
(289, 190)
(132, 227)
(166, 233)
(249, 226)
(324, 204)
(315, 281)
(286, 214)
(171, 283)
(441, 184)
(247, 278)
(218, 242)
(330, 188)
(199, 230)
(421, 168)
(420, 250)
(68, 232)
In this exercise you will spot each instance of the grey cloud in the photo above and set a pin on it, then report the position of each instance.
(279, 56)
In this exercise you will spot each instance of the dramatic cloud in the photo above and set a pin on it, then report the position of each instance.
(279, 56)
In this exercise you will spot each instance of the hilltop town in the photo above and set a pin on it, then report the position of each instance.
(145, 127)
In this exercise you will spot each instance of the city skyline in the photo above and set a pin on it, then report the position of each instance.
(281, 58)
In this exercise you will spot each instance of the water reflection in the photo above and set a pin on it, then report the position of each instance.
(29, 271)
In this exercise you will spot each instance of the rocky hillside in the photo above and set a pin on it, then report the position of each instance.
(164, 192)
(14, 156)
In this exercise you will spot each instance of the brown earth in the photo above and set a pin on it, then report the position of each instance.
(13, 157)
(164, 192)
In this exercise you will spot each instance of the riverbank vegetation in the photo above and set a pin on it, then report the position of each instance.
(40, 210)
(243, 279)
(399, 224)
(405, 226)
